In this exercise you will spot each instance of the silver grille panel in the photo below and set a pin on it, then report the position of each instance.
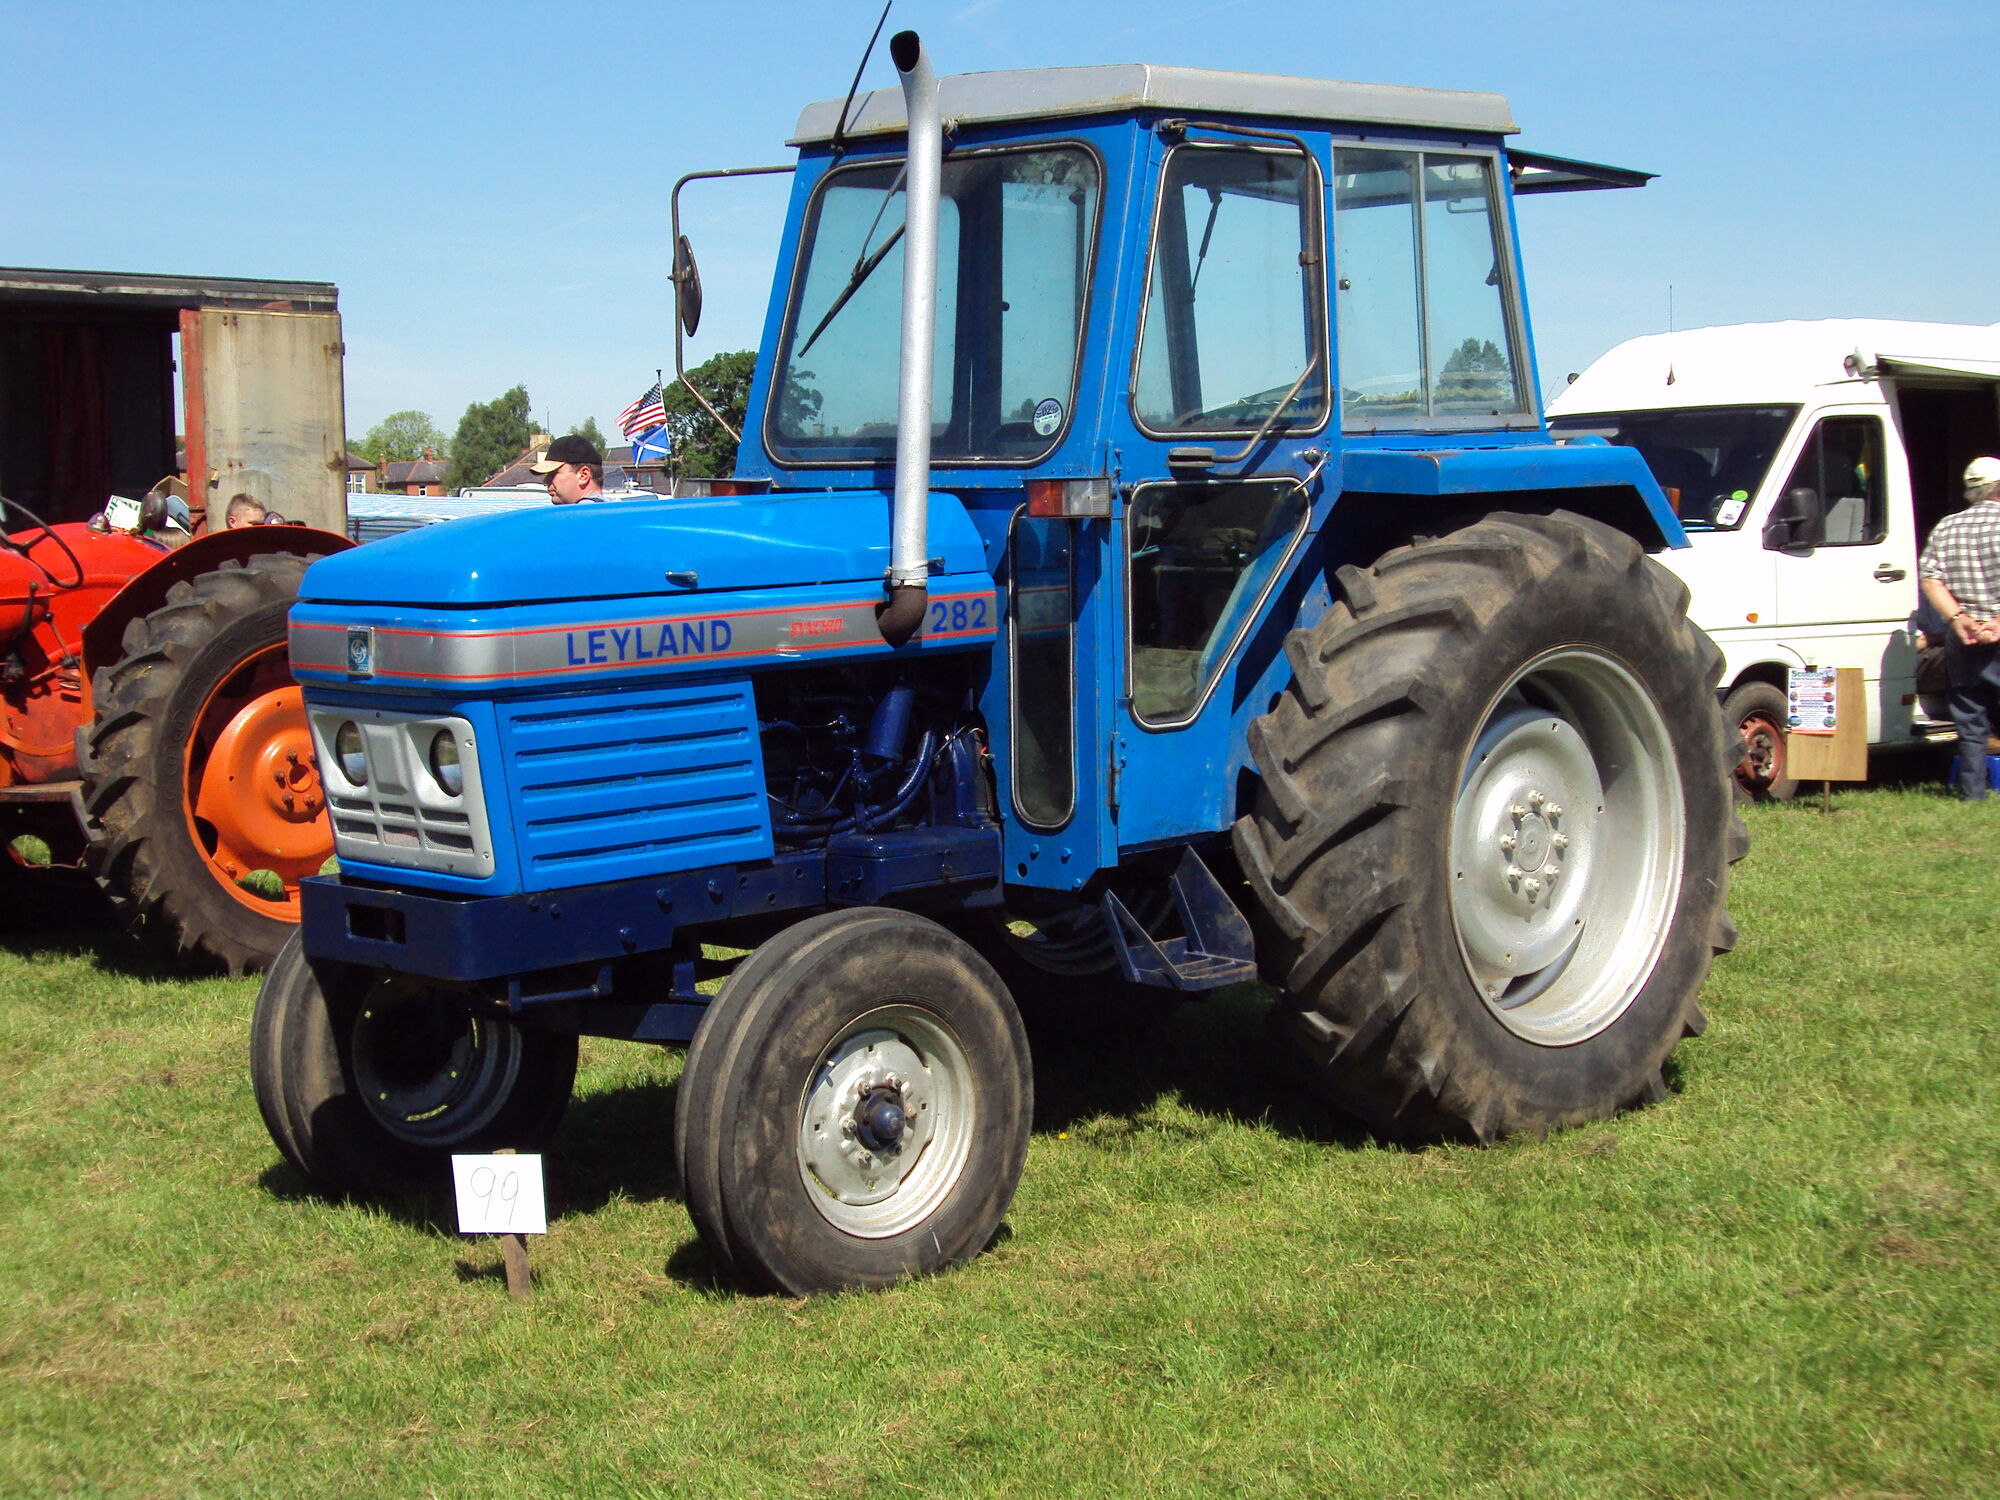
(403, 816)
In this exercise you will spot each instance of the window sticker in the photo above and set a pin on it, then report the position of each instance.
(1731, 510)
(1048, 416)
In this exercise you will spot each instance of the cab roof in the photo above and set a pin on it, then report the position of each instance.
(1117, 88)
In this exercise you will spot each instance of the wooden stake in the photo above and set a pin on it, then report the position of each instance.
(514, 1254)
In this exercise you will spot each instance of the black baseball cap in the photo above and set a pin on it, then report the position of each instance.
(573, 449)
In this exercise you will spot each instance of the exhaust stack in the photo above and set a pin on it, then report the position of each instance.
(909, 553)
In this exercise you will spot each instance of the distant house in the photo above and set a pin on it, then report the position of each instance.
(361, 476)
(419, 476)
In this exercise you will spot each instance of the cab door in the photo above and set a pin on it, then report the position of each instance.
(1844, 603)
(1228, 388)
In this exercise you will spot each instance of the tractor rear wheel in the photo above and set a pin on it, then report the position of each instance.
(369, 1084)
(201, 801)
(1494, 830)
(855, 1106)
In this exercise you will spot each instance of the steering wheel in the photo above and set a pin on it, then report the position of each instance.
(26, 549)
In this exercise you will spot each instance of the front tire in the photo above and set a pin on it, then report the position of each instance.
(1493, 831)
(1758, 712)
(201, 800)
(369, 1085)
(855, 1106)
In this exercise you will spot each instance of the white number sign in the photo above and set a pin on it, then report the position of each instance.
(499, 1194)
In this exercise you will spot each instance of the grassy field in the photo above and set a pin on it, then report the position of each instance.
(1778, 1282)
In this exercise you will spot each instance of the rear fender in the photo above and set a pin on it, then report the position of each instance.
(104, 636)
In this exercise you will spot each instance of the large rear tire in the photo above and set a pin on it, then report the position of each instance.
(369, 1085)
(201, 800)
(1494, 831)
(855, 1106)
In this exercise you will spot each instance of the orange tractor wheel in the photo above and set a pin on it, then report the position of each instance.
(202, 803)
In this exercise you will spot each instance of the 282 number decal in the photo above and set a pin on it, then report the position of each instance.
(955, 616)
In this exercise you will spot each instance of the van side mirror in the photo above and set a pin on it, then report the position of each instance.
(1798, 522)
(687, 286)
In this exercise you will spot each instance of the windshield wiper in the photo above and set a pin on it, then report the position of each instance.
(863, 269)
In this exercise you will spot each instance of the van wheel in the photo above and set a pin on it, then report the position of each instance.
(855, 1106)
(1758, 711)
(1493, 831)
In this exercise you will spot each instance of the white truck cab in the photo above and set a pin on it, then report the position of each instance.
(1809, 462)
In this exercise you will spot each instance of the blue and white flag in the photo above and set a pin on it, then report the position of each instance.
(653, 443)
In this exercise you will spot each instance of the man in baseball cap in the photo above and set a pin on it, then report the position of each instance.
(1960, 573)
(572, 469)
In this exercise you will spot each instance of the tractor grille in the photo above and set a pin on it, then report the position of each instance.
(611, 786)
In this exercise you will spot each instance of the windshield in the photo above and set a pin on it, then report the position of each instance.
(1015, 230)
(1715, 456)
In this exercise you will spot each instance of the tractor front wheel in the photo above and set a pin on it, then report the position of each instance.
(201, 800)
(369, 1084)
(855, 1106)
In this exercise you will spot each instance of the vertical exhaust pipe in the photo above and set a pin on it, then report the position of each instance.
(909, 553)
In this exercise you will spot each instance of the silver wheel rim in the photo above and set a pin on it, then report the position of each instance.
(1567, 843)
(861, 1182)
(428, 1072)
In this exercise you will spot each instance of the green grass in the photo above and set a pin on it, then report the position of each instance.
(1778, 1282)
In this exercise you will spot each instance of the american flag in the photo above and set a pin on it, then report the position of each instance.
(644, 414)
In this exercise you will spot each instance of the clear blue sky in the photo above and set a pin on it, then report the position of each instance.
(487, 184)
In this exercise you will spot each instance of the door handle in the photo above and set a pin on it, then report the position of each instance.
(1886, 574)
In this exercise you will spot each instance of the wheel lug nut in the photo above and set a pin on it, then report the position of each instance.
(847, 1125)
(1553, 811)
(1533, 888)
(1559, 842)
(1515, 872)
(1508, 841)
(865, 1158)
(1535, 800)
(1516, 811)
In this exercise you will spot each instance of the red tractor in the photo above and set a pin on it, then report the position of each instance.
(152, 733)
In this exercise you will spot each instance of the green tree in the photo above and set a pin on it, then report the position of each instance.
(402, 436)
(701, 448)
(587, 430)
(490, 436)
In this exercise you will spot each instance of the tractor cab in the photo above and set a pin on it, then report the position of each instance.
(1176, 313)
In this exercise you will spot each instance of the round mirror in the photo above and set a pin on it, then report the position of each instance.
(687, 286)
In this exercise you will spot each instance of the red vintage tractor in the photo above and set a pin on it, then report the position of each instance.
(153, 734)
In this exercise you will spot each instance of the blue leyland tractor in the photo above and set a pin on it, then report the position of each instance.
(1146, 570)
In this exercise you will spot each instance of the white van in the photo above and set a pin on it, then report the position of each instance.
(1809, 462)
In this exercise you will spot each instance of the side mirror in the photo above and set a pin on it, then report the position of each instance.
(1798, 522)
(687, 286)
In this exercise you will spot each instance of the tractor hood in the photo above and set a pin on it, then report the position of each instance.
(637, 548)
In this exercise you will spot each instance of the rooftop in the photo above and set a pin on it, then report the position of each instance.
(1056, 93)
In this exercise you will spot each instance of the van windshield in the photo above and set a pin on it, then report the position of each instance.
(1715, 456)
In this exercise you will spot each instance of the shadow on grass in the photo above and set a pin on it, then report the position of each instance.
(1215, 1055)
(61, 912)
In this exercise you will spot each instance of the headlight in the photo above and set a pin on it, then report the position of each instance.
(444, 762)
(347, 750)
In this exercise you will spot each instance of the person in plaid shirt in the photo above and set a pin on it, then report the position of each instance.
(1960, 570)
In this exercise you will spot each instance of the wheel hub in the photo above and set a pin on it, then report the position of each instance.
(1565, 847)
(885, 1122)
(427, 1071)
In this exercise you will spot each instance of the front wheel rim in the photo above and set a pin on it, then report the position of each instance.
(886, 1122)
(1567, 843)
(430, 1073)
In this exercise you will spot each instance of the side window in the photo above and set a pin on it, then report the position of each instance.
(1041, 613)
(1842, 464)
(1233, 303)
(1202, 556)
(1421, 290)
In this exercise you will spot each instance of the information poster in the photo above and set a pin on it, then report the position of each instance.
(1814, 698)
